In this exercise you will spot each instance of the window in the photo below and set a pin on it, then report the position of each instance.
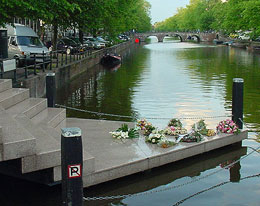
(29, 41)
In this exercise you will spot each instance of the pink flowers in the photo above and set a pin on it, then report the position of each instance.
(228, 126)
(172, 128)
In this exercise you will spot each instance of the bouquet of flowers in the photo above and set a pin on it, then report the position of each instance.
(155, 137)
(201, 127)
(143, 123)
(174, 128)
(194, 136)
(125, 133)
(119, 135)
(149, 129)
(174, 131)
(164, 143)
(146, 126)
(228, 126)
(175, 123)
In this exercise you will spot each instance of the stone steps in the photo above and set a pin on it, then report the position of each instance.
(12, 96)
(30, 132)
(5, 84)
(47, 152)
(50, 116)
(30, 107)
(88, 160)
(17, 142)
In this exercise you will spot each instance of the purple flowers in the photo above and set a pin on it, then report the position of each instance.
(228, 126)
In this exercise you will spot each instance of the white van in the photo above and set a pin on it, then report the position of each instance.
(25, 46)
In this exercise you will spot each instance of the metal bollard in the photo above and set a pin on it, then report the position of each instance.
(2, 70)
(62, 59)
(57, 61)
(34, 68)
(15, 75)
(237, 101)
(26, 69)
(43, 61)
(50, 89)
(51, 60)
(72, 164)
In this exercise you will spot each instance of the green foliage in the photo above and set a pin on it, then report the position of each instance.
(94, 16)
(175, 123)
(205, 15)
(194, 136)
(132, 132)
(123, 128)
(200, 127)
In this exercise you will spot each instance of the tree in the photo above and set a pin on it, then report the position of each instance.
(251, 16)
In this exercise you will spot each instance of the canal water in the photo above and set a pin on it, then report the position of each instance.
(160, 81)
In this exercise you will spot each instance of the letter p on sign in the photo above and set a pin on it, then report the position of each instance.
(74, 171)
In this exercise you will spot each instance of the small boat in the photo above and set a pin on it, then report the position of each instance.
(111, 60)
(216, 41)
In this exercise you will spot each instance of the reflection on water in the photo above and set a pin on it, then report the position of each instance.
(165, 178)
(165, 80)
(169, 80)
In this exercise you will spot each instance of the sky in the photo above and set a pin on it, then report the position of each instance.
(163, 9)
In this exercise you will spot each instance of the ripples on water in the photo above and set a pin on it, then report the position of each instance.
(174, 80)
(185, 80)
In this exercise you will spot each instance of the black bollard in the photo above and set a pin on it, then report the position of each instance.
(72, 164)
(237, 101)
(50, 89)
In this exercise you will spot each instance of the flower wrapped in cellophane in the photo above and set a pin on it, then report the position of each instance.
(228, 126)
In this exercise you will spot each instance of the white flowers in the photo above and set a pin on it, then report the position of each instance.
(174, 131)
(155, 137)
(125, 133)
(119, 135)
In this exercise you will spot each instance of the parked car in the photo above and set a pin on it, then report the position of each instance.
(245, 35)
(85, 45)
(82, 47)
(257, 39)
(68, 46)
(101, 39)
(233, 35)
(97, 44)
(88, 44)
(123, 37)
(25, 46)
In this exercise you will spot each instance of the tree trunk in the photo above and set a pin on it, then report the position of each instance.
(55, 35)
(81, 36)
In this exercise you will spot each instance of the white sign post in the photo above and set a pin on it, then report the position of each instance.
(9, 65)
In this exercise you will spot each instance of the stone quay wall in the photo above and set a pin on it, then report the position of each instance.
(65, 73)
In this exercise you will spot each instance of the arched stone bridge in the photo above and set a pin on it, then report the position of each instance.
(184, 36)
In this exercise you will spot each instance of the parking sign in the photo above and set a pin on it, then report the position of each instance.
(74, 171)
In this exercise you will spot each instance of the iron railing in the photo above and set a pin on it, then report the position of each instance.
(42, 62)
(51, 61)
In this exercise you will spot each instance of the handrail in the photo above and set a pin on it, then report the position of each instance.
(51, 60)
